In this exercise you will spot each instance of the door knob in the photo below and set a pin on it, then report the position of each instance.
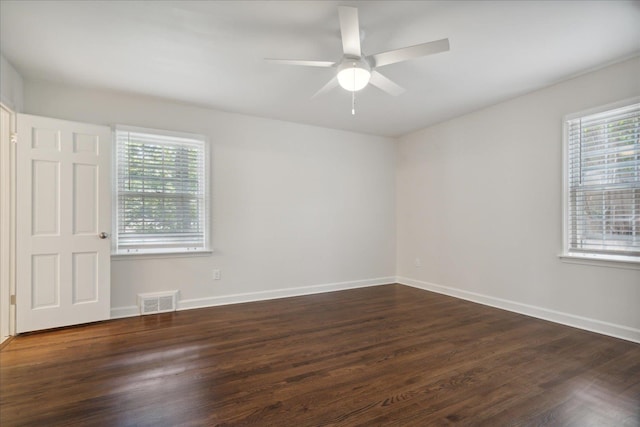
(103, 235)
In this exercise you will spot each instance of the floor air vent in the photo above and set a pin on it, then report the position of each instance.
(158, 302)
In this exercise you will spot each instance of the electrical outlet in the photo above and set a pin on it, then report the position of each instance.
(418, 262)
(216, 274)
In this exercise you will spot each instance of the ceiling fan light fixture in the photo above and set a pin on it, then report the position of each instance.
(353, 75)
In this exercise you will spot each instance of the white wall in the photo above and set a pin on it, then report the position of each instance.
(293, 205)
(479, 202)
(11, 86)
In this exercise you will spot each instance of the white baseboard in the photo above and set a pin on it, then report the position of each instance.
(186, 304)
(129, 311)
(281, 293)
(593, 325)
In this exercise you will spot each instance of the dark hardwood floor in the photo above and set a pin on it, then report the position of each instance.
(388, 355)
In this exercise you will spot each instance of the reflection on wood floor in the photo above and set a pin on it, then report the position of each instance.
(386, 355)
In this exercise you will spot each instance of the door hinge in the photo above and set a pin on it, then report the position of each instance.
(12, 300)
(14, 137)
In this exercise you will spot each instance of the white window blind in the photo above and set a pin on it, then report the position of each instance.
(161, 192)
(603, 180)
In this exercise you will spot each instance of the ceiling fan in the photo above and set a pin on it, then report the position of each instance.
(355, 70)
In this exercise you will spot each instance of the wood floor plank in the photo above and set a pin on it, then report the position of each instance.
(385, 355)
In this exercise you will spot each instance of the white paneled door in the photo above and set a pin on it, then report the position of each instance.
(63, 223)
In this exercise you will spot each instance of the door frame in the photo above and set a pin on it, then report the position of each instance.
(8, 226)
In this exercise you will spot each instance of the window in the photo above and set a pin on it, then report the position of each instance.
(602, 178)
(161, 201)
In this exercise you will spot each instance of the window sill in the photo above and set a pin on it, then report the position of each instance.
(160, 255)
(612, 261)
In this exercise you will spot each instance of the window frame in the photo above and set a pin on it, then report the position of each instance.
(161, 252)
(600, 259)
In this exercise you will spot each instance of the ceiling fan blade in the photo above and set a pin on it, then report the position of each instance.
(384, 84)
(325, 64)
(350, 30)
(326, 88)
(406, 53)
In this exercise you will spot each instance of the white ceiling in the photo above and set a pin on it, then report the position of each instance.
(211, 53)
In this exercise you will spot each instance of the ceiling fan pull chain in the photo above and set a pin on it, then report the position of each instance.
(353, 93)
(353, 103)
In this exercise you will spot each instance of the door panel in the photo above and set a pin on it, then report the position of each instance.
(45, 198)
(85, 277)
(85, 199)
(63, 204)
(45, 281)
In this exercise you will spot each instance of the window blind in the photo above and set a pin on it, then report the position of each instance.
(161, 192)
(604, 182)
